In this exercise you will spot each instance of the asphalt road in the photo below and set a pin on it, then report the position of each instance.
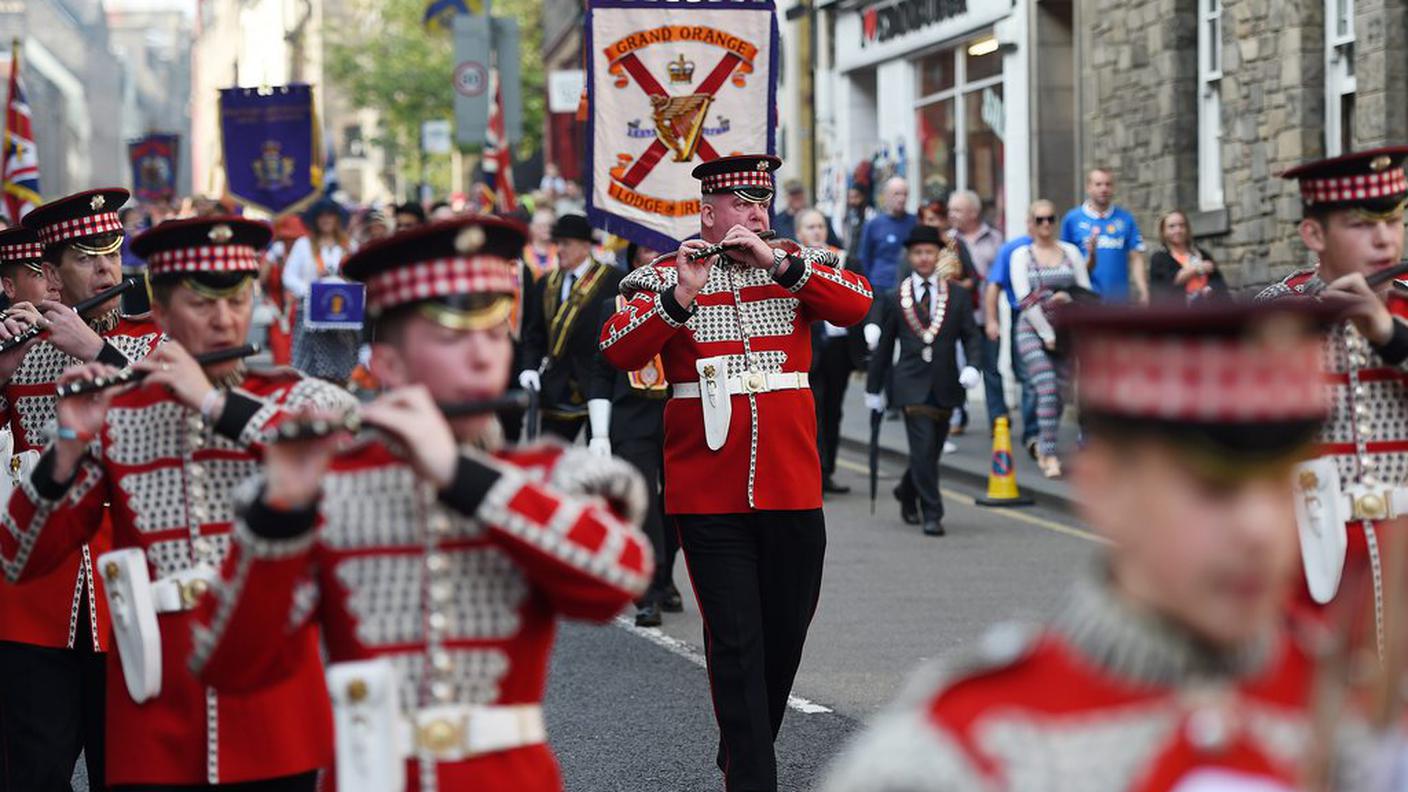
(629, 710)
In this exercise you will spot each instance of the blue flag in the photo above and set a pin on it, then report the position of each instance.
(272, 152)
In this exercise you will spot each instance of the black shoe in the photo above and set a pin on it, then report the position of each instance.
(931, 528)
(909, 508)
(671, 602)
(648, 614)
(829, 485)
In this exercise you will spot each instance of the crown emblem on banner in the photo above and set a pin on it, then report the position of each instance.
(273, 170)
(681, 70)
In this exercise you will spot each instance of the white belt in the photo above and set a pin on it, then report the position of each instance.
(452, 732)
(752, 382)
(182, 591)
(1362, 503)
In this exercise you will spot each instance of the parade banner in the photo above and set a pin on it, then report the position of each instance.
(154, 161)
(271, 147)
(671, 84)
(335, 305)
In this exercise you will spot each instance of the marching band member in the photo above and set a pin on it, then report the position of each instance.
(733, 331)
(1353, 223)
(161, 459)
(434, 560)
(1170, 665)
(54, 627)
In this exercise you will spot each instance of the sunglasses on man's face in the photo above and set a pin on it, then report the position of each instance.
(1043, 219)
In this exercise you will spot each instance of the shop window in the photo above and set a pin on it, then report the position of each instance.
(1209, 104)
(960, 120)
(1340, 83)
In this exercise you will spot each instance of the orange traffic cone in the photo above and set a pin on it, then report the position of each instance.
(1002, 478)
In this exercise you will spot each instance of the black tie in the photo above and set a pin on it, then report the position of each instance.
(924, 304)
(571, 279)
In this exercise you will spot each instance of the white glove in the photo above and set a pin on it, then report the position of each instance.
(969, 377)
(875, 402)
(529, 380)
(872, 336)
(600, 447)
(599, 420)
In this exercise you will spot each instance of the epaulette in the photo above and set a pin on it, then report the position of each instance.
(1001, 646)
(1292, 285)
(651, 278)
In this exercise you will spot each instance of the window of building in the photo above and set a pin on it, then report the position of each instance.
(960, 120)
(1339, 76)
(1209, 104)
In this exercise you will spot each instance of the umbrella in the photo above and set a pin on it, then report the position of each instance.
(876, 417)
(530, 416)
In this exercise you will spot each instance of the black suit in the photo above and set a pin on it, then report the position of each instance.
(560, 338)
(638, 436)
(833, 360)
(928, 391)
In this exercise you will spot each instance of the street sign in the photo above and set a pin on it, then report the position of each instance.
(471, 78)
(565, 90)
(435, 137)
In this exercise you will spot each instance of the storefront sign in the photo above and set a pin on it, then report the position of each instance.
(882, 23)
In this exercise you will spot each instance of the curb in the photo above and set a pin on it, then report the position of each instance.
(973, 478)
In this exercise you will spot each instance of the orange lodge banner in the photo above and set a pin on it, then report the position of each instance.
(671, 84)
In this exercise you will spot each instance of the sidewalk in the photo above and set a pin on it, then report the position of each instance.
(971, 462)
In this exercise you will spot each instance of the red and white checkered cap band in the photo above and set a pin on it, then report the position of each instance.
(425, 280)
(27, 251)
(77, 227)
(1360, 187)
(1202, 380)
(204, 258)
(732, 181)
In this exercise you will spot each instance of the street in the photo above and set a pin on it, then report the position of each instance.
(628, 709)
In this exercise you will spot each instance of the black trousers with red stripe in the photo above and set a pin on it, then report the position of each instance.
(757, 577)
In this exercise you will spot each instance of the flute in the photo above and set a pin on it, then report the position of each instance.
(309, 429)
(81, 308)
(714, 250)
(130, 374)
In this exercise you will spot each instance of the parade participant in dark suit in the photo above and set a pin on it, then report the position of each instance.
(627, 414)
(560, 327)
(926, 316)
(742, 478)
(1171, 664)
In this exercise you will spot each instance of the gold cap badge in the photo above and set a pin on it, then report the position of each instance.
(762, 165)
(97, 202)
(221, 234)
(470, 240)
(1380, 162)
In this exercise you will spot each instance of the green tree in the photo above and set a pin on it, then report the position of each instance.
(386, 60)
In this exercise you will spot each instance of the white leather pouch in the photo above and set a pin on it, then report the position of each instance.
(366, 711)
(1323, 540)
(714, 399)
(128, 588)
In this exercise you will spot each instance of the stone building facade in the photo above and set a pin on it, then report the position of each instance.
(1295, 80)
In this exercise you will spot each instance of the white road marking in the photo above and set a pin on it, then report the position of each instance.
(675, 646)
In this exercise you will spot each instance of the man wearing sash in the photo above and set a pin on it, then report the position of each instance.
(435, 560)
(162, 460)
(560, 327)
(54, 627)
(927, 315)
(1353, 223)
(742, 477)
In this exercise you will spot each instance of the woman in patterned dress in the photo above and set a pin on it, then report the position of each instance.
(1042, 275)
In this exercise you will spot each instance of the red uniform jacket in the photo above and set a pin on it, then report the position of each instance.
(169, 476)
(388, 562)
(44, 611)
(769, 460)
(1103, 699)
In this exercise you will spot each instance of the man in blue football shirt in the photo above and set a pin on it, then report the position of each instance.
(882, 241)
(1119, 272)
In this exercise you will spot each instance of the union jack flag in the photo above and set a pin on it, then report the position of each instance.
(19, 163)
(498, 159)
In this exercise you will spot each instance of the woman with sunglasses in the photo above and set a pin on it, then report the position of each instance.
(1043, 275)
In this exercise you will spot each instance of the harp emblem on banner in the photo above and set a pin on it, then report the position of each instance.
(679, 120)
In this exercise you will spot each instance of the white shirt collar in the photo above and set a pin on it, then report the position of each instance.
(919, 281)
(582, 268)
(1093, 212)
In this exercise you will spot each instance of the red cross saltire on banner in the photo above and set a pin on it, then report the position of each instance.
(154, 162)
(498, 156)
(671, 84)
(20, 162)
